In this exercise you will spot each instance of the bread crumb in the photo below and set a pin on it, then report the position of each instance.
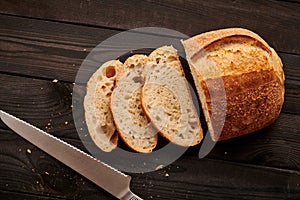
(6, 185)
(66, 122)
(55, 81)
(167, 175)
(84, 49)
(19, 150)
(28, 151)
(47, 173)
(33, 170)
(225, 152)
(159, 167)
(49, 124)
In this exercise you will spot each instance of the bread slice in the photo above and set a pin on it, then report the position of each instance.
(239, 79)
(97, 105)
(166, 98)
(132, 124)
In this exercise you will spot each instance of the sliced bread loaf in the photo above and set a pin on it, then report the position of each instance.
(97, 105)
(239, 77)
(132, 124)
(166, 98)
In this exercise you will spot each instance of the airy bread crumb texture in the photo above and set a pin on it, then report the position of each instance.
(98, 116)
(166, 98)
(133, 125)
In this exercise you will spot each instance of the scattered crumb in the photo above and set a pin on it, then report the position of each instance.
(37, 182)
(6, 185)
(71, 105)
(145, 163)
(33, 170)
(167, 175)
(159, 167)
(28, 151)
(19, 150)
(49, 124)
(225, 152)
(42, 88)
(66, 122)
(151, 197)
(47, 173)
(84, 49)
(73, 83)
(55, 81)
(81, 129)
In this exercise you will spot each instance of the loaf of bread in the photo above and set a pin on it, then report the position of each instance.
(98, 116)
(166, 98)
(132, 124)
(239, 79)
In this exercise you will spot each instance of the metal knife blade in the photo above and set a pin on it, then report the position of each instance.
(108, 178)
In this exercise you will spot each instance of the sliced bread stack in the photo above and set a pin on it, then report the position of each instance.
(140, 98)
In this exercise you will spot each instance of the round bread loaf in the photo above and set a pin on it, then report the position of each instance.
(239, 79)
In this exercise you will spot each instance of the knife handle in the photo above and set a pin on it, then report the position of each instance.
(131, 196)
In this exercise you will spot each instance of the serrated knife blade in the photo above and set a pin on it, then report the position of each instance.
(108, 178)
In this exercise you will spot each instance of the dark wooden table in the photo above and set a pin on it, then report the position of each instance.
(45, 40)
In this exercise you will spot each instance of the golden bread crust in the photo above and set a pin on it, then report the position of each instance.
(253, 100)
(240, 64)
(201, 41)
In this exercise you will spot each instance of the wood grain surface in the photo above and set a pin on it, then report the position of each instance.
(45, 40)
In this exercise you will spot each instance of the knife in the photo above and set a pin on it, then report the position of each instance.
(103, 175)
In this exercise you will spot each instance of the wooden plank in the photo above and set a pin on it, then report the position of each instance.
(7, 195)
(48, 106)
(273, 146)
(31, 47)
(36, 173)
(189, 17)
